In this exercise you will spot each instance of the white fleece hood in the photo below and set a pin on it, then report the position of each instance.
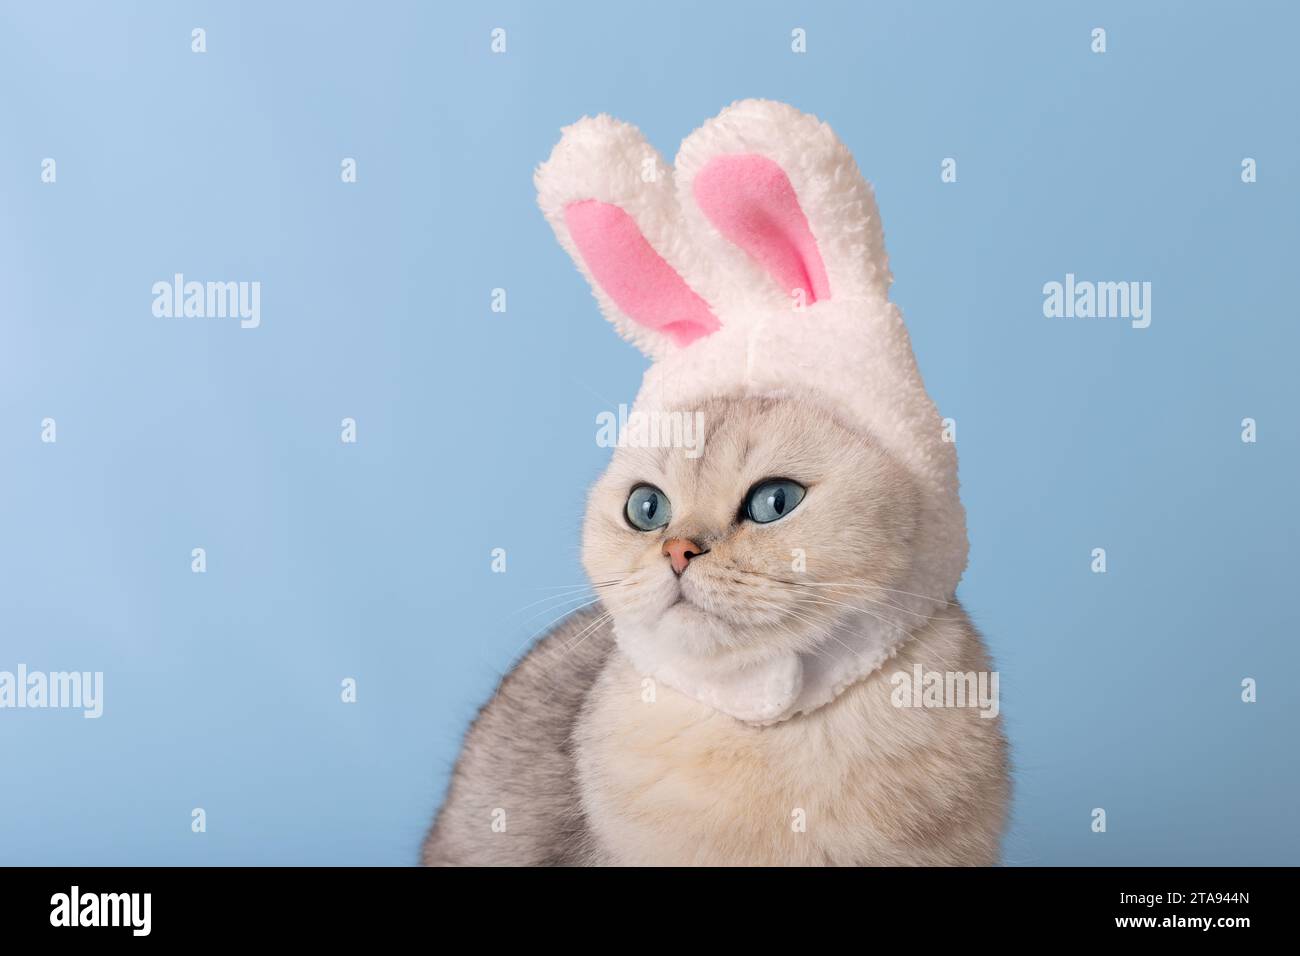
(757, 266)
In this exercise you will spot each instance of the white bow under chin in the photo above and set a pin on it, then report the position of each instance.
(775, 688)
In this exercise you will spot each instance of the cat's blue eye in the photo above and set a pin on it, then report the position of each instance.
(648, 508)
(773, 500)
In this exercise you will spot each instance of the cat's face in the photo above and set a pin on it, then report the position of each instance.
(757, 544)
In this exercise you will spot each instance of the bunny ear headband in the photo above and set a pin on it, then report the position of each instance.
(757, 266)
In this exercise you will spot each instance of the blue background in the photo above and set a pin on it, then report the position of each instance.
(476, 429)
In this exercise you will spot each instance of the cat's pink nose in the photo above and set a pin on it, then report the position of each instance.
(679, 552)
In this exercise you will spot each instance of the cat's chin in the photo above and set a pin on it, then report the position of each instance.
(686, 629)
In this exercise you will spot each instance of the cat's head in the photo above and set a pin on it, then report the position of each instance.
(754, 275)
(755, 537)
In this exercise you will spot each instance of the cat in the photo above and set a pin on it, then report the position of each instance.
(578, 759)
(740, 694)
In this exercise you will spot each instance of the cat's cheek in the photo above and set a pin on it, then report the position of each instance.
(606, 547)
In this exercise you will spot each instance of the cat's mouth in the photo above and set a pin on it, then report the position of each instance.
(682, 599)
(706, 605)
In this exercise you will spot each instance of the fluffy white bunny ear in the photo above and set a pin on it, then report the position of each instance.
(609, 196)
(779, 203)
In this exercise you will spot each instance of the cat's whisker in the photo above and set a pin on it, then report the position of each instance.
(870, 587)
(587, 631)
(947, 663)
(864, 610)
(585, 584)
(565, 651)
(837, 589)
(557, 604)
(922, 618)
(549, 624)
(951, 665)
(835, 637)
(569, 591)
(864, 585)
(818, 630)
(802, 593)
(552, 598)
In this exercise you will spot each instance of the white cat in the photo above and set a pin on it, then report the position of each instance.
(731, 700)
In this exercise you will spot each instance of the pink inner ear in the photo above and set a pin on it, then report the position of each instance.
(751, 202)
(641, 283)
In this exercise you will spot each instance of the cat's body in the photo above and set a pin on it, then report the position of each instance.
(570, 764)
(514, 797)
